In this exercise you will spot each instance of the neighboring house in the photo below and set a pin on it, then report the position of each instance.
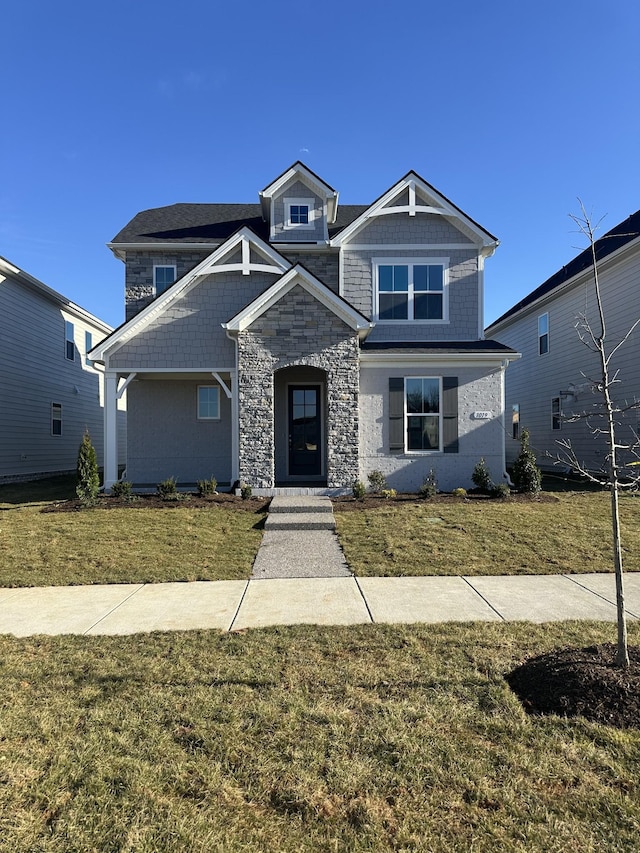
(49, 391)
(552, 381)
(299, 343)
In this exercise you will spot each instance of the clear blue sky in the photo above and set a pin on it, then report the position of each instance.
(510, 109)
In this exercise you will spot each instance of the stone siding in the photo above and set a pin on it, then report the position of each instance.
(298, 330)
(324, 265)
(139, 289)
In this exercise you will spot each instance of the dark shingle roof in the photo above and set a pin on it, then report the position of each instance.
(207, 223)
(478, 347)
(619, 236)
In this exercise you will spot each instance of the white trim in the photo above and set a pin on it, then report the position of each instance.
(164, 267)
(222, 384)
(309, 225)
(313, 182)
(117, 371)
(200, 417)
(544, 334)
(413, 359)
(120, 391)
(480, 297)
(419, 261)
(407, 415)
(410, 247)
(110, 429)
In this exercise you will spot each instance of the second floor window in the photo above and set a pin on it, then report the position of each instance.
(163, 277)
(556, 413)
(88, 346)
(410, 291)
(70, 347)
(543, 334)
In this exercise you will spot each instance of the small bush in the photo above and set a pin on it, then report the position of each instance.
(526, 475)
(359, 490)
(377, 481)
(88, 484)
(459, 493)
(500, 490)
(207, 487)
(121, 489)
(245, 491)
(388, 493)
(481, 477)
(429, 488)
(168, 489)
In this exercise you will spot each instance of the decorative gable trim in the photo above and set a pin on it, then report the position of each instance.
(411, 204)
(243, 252)
(298, 171)
(298, 275)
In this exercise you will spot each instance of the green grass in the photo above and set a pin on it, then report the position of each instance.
(132, 545)
(371, 738)
(489, 537)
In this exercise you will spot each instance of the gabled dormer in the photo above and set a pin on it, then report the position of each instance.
(299, 206)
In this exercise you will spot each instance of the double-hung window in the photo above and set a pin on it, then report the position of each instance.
(208, 403)
(422, 407)
(88, 346)
(543, 334)
(556, 413)
(411, 290)
(56, 419)
(69, 341)
(163, 277)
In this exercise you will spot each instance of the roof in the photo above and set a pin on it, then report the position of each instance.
(209, 223)
(623, 233)
(484, 347)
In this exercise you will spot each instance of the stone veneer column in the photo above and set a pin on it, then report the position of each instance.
(298, 330)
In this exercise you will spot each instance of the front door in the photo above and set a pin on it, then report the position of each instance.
(305, 440)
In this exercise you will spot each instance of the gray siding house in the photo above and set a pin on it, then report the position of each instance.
(553, 380)
(299, 343)
(49, 391)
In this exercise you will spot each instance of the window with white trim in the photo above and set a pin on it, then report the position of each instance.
(69, 341)
(56, 419)
(543, 334)
(556, 413)
(298, 213)
(163, 277)
(423, 428)
(88, 346)
(208, 403)
(410, 290)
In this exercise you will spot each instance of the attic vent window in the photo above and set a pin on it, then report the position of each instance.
(299, 213)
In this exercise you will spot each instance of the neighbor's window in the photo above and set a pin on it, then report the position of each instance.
(70, 347)
(410, 291)
(556, 413)
(543, 334)
(422, 413)
(298, 213)
(163, 277)
(88, 346)
(56, 419)
(208, 402)
(515, 421)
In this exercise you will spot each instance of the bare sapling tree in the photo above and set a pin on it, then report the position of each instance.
(606, 420)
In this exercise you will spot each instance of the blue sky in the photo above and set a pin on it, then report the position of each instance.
(510, 109)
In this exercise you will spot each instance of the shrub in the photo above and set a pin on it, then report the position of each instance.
(207, 487)
(377, 481)
(500, 490)
(481, 477)
(459, 493)
(168, 489)
(245, 491)
(388, 493)
(429, 488)
(88, 484)
(527, 477)
(359, 490)
(122, 489)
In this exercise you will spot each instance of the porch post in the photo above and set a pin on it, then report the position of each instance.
(235, 429)
(110, 429)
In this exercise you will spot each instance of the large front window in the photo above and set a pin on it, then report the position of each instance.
(410, 291)
(422, 408)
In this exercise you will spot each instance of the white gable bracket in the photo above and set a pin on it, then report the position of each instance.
(222, 384)
(123, 388)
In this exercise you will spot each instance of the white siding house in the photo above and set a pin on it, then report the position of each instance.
(553, 379)
(49, 391)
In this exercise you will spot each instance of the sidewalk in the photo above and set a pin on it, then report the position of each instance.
(236, 605)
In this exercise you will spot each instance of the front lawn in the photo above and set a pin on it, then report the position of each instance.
(367, 738)
(568, 532)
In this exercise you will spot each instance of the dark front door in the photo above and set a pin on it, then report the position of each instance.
(305, 439)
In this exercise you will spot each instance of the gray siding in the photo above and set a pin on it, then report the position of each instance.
(166, 439)
(534, 380)
(189, 333)
(139, 289)
(36, 373)
(293, 235)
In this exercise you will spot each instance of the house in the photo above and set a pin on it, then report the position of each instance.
(297, 342)
(554, 379)
(50, 392)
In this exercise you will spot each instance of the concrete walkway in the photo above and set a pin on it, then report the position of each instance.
(235, 605)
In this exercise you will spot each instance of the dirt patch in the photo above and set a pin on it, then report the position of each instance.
(581, 682)
(347, 503)
(224, 500)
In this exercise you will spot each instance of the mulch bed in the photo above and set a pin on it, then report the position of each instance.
(347, 503)
(222, 499)
(581, 682)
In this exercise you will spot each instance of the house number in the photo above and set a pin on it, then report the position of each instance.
(482, 416)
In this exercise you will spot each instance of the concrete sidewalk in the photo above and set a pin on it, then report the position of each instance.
(235, 605)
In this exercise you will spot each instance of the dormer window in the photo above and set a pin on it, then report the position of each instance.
(298, 213)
